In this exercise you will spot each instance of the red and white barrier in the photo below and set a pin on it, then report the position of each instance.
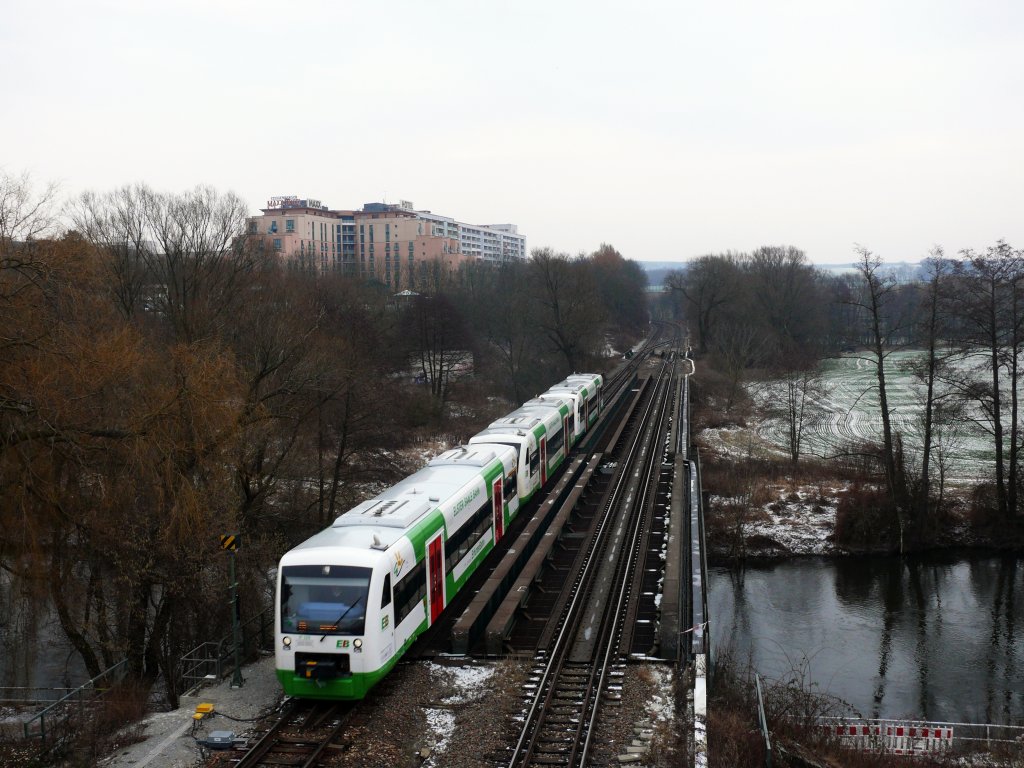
(893, 737)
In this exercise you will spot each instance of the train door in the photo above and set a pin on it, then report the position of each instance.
(565, 436)
(544, 461)
(435, 578)
(497, 499)
(586, 418)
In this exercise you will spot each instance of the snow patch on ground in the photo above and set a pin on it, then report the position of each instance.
(467, 683)
(661, 706)
(736, 442)
(798, 521)
(803, 527)
(441, 723)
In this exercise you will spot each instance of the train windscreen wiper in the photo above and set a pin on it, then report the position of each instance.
(338, 622)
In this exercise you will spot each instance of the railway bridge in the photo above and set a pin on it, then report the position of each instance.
(606, 571)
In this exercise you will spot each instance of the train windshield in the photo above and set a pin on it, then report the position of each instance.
(324, 599)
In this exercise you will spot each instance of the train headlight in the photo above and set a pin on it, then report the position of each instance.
(286, 642)
(358, 644)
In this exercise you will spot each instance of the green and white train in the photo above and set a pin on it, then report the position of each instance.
(354, 597)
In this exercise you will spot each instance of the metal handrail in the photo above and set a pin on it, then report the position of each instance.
(117, 672)
(24, 694)
(211, 658)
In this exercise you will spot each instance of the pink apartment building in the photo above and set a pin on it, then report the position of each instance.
(381, 240)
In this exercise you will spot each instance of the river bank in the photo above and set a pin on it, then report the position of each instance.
(763, 509)
(802, 522)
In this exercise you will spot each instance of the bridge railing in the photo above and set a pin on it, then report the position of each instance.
(700, 637)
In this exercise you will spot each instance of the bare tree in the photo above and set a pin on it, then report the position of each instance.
(117, 224)
(738, 346)
(989, 301)
(708, 286)
(438, 342)
(931, 371)
(802, 391)
(788, 300)
(25, 214)
(569, 314)
(873, 300)
(201, 258)
(506, 316)
(621, 284)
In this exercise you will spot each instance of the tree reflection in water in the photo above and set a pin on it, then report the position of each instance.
(931, 637)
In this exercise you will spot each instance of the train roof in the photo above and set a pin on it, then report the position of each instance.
(501, 433)
(401, 505)
(379, 522)
(548, 400)
(465, 456)
(473, 456)
(547, 412)
(519, 419)
(587, 379)
(356, 546)
(574, 389)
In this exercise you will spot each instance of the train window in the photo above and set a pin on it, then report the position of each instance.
(385, 598)
(555, 438)
(324, 599)
(409, 591)
(510, 484)
(534, 462)
(461, 541)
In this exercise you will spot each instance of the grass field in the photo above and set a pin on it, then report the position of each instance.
(847, 412)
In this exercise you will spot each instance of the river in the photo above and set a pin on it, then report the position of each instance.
(938, 637)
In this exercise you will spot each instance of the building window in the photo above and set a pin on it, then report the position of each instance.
(277, 243)
(252, 227)
(371, 233)
(289, 225)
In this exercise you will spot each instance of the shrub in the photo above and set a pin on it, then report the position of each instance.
(866, 520)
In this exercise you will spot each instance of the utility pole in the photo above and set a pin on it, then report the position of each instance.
(230, 543)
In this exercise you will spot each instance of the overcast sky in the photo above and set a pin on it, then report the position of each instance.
(670, 129)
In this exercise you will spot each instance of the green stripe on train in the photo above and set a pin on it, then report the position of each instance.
(428, 527)
(353, 686)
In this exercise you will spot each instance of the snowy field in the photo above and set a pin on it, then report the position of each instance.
(846, 412)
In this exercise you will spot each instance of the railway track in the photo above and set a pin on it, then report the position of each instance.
(570, 678)
(611, 553)
(304, 733)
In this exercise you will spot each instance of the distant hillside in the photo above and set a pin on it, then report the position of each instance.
(657, 270)
(903, 271)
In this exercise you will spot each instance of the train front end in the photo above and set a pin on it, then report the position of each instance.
(333, 636)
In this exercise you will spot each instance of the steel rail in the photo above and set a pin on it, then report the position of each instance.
(615, 618)
(318, 713)
(546, 687)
